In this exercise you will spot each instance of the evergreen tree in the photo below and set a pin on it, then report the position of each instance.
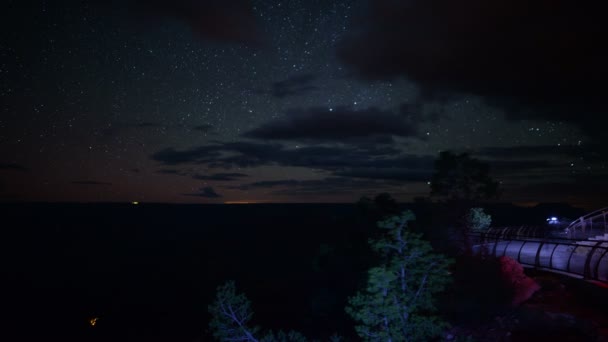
(231, 314)
(458, 177)
(281, 336)
(463, 182)
(477, 220)
(474, 221)
(398, 303)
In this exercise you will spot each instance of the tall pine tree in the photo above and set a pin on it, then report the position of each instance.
(398, 303)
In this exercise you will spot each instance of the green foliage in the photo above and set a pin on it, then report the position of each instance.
(231, 313)
(281, 336)
(336, 338)
(460, 177)
(465, 339)
(398, 303)
(477, 220)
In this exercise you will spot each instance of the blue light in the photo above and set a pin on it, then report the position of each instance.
(554, 219)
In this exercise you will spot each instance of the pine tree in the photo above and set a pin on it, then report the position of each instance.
(398, 303)
(461, 178)
(231, 313)
(477, 220)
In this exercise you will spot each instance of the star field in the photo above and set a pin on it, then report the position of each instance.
(128, 101)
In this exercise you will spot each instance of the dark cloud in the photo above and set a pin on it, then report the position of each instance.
(205, 128)
(169, 172)
(536, 59)
(409, 161)
(339, 124)
(418, 111)
(270, 184)
(559, 189)
(171, 156)
(217, 20)
(142, 125)
(136, 170)
(294, 86)
(545, 172)
(245, 154)
(13, 167)
(88, 182)
(528, 151)
(391, 173)
(249, 154)
(544, 162)
(206, 192)
(588, 152)
(515, 165)
(588, 193)
(373, 163)
(226, 177)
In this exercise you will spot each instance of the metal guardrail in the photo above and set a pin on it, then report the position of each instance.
(585, 259)
(525, 232)
(594, 223)
(579, 250)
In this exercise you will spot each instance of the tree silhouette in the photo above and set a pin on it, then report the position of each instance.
(462, 181)
(231, 315)
(458, 177)
(381, 206)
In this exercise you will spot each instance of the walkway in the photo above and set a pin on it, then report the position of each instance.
(585, 256)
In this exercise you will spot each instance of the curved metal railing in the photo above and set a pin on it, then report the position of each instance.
(523, 232)
(590, 225)
(580, 259)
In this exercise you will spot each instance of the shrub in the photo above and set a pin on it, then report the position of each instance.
(477, 220)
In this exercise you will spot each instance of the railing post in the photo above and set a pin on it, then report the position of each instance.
(587, 269)
(537, 258)
(570, 258)
(504, 252)
(519, 253)
(597, 265)
(495, 245)
(551, 257)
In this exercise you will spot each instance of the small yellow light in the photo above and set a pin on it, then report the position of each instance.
(135, 203)
(93, 321)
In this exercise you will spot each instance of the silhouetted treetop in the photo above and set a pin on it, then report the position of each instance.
(463, 178)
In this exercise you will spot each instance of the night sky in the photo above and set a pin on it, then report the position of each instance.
(207, 101)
